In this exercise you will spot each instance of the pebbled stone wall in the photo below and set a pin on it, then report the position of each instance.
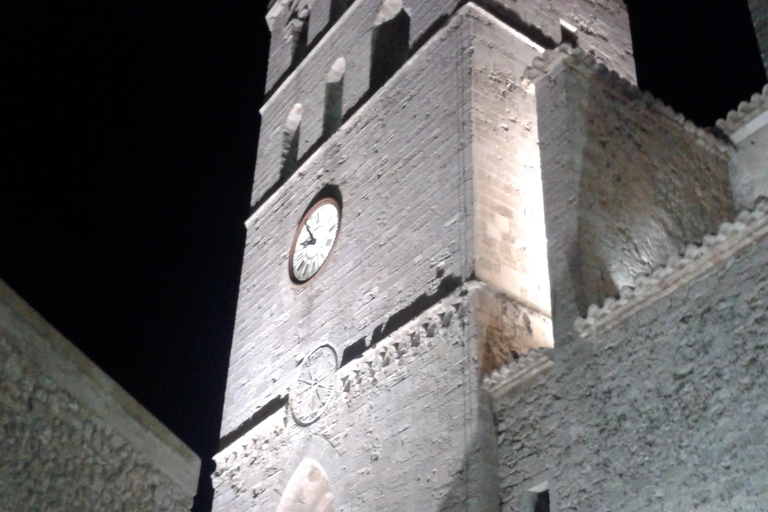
(408, 428)
(70, 438)
(664, 411)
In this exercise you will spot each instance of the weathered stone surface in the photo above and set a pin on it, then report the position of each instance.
(747, 127)
(448, 174)
(71, 438)
(664, 411)
(408, 428)
(402, 165)
(627, 183)
(603, 29)
(508, 329)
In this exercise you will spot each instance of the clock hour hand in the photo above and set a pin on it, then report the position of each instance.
(312, 241)
(310, 233)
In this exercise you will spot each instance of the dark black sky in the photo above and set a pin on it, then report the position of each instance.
(128, 142)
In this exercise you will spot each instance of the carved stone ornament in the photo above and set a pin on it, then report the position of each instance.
(314, 386)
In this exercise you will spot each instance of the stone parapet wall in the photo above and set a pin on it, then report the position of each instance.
(747, 127)
(602, 27)
(70, 437)
(679, 270)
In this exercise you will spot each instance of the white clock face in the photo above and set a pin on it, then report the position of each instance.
(317, 234)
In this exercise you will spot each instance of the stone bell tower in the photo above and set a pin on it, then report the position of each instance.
(396, 251)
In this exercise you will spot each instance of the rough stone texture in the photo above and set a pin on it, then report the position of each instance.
(529, 419)
(403, 168)
(604, 31)
(602, 27)
(408, 429)
(510, 246)
(731, 238)
(663, 412)
(759, 10)
(626, 185)
(507, 329)
(70, 438)
(749, 172)
(472, 141)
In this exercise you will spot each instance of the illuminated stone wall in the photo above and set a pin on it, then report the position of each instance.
(663, 407)
(437, 183)
(603, 27)
(408, 428)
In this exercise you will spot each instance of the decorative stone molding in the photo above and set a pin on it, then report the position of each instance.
(502, 381)
(747, 118)
(581, 60)
(416, 337)
(680, 270)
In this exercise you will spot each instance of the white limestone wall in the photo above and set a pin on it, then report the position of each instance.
(603, 28)
(403, 169)
(408, 429)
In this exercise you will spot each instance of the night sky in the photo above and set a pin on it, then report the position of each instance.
(128, 145)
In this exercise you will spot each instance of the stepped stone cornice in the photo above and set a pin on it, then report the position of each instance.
(679, 270)
(747, 118)
(502, 381)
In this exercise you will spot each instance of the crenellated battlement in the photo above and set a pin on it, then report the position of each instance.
(376, 38)
(747, 128)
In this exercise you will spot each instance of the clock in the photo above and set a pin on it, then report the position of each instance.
(313, 389)
(314, 239)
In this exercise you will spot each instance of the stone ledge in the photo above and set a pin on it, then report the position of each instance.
(581, 60)
(747, 118)
(679, 270)
(417, 336)
(502, 381)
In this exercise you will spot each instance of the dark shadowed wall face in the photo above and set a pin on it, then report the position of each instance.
(759, 10)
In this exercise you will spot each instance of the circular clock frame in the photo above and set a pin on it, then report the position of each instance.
(306, 401)
(307, 215)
